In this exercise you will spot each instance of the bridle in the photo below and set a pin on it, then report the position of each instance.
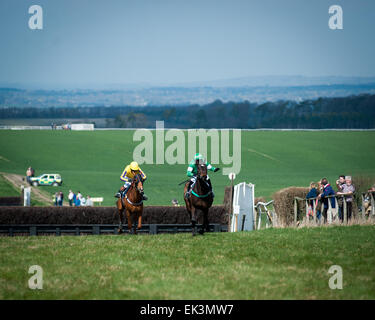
(202, 177)
(135, 183)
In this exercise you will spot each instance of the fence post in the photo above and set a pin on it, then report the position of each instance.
(217, 228)
(372, 203)
(259, 219)
(329, 212)
(95, 230)
(363, 207)
(153, 229)
(315, 203)
(33, 231)
(295, 211)
(345, 209)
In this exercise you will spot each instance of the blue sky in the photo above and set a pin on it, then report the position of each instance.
(91, 43)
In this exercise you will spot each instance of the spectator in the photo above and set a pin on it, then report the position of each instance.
(55, 199)
(175, 203)
(348, 190)
(89, 202)
(313, 193)
(74, 198)
(340, 200)
(60, 199)
(367, 203)
(29, 174)
(77, 202)
(83, 201)
(70, 197)
(79, 195)
(327, 191)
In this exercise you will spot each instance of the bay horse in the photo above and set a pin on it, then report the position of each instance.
(132, 204)
(200, 199)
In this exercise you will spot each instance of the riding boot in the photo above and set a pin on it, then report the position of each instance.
(144, 197)
(121, 192)
(188, 192)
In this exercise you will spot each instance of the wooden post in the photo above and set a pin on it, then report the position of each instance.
(231, 204)
(345, 209)
(260, 218)
(314, 210)
(329, 212)
(372, 203)
(363, 207)
(295, 211)
(95, 230)
(307, 210)
(153, 229)
(33, 231)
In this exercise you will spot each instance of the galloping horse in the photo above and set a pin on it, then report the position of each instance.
(201, 198)
(132, 203)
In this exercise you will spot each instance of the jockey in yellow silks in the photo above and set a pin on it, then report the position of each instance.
(127, 175)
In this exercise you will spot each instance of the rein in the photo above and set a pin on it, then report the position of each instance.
(132, 203)
(201, 195)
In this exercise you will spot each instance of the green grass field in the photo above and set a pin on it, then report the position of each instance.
(92, 162)
(267, 264)
(6, 189)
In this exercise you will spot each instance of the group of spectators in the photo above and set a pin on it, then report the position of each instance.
(78, 200)
(67, 126)
(58, 199)
(322, 192)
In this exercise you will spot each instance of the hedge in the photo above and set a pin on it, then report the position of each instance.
(101, 215)
(10, 201)
(284, 203)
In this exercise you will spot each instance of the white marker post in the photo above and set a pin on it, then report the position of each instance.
(26, 196)
(231, 177)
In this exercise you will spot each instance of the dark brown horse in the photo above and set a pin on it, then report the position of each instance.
(132, 204)
(201, 199)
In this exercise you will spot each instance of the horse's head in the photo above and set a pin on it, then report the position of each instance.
(137, 183)
(202, 170)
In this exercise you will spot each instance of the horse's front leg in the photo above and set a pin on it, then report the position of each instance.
(139, 226)
(120, 210)
(206, 225)
(193, 220)
(120, 215)
(128, 215)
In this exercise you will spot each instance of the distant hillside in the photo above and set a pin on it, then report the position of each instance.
(344, 113)
(254, 89)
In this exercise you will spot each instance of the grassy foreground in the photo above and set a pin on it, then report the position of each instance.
(267, 264)
(92, 162)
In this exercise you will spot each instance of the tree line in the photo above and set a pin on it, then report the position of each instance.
(344, 112)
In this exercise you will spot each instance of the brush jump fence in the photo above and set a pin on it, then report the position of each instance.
(365, 197)
(95, 229)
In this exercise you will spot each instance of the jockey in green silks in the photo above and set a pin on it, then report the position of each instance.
(192, 171)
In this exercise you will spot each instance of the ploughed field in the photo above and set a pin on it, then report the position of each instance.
(91, 162)
(267, 264)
